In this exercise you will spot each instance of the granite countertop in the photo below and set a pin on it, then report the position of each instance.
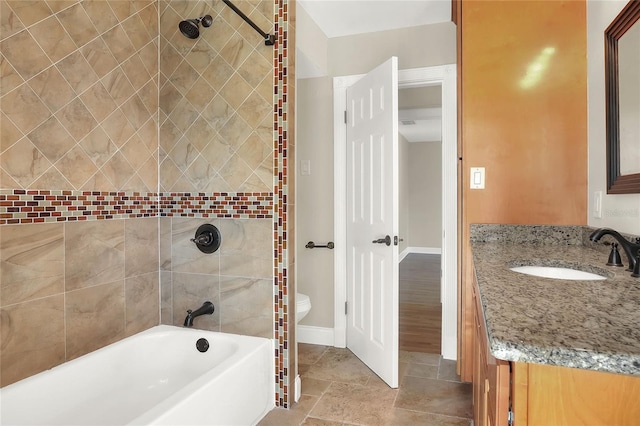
(592, 325)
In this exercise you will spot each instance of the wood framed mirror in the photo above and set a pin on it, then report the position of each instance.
(622, 80)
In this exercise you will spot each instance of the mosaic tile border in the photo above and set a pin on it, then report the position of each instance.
(256, 205)
(19, 206)
(280, 127)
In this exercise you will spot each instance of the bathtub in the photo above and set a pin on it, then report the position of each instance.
(156, 377)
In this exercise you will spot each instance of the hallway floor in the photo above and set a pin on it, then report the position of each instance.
(338, 389)
(420, 314)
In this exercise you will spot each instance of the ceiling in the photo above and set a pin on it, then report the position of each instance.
(337, 18)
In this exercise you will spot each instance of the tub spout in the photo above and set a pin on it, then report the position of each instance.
(206, 308)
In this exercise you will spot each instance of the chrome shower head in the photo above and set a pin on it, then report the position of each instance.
(191, 27)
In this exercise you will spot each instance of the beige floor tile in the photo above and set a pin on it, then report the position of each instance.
(314, 386)
(357, 404)
(419, 357)
(401, 417)
(312, 421)
(423, 370)
(293, 416)
(435, 396)
(339, 365)
(310, 354)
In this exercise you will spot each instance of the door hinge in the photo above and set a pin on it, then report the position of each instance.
(510, 418)
(345, 308)
(345, 116)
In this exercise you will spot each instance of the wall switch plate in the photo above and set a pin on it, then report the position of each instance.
(477, 177)
(305, 167)
(597, 204)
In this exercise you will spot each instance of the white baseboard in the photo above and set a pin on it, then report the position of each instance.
(315, 335)
(419, 250)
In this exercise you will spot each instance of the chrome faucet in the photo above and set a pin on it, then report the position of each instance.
(206, 309)
(631, 249)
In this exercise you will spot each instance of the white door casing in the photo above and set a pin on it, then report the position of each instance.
(444, 75)
(372, 220)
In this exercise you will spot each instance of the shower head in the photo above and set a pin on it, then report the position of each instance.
(191, 27)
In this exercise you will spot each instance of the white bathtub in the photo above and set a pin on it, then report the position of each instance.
(156, 377)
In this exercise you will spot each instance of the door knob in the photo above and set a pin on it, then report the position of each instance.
(386, 240)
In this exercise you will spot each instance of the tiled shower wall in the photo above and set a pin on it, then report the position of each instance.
(78, 87)
(216, 136)
(80, 114)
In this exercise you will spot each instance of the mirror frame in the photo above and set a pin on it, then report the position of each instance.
(617, 183)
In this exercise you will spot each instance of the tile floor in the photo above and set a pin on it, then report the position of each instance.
(338, 389)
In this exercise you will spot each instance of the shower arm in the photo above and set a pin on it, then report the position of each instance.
(269, 39)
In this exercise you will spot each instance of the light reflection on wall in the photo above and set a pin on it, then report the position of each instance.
(536, 69)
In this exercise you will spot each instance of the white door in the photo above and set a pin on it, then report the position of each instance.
(372, 220)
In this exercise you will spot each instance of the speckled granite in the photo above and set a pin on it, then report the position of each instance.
(593, 325)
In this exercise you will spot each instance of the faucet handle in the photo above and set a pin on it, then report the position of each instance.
(614, 256)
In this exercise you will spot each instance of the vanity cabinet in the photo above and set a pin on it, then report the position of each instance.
(491, 376)
(542, 395)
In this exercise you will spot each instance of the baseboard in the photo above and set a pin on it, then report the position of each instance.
(419, 250)
(315, 335)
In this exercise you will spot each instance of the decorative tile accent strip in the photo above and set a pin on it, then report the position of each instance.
(256, 205)
(19, 206)
(280, 191)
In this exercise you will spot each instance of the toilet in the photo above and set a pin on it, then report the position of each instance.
(303, 306)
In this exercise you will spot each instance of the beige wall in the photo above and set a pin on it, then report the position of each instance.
(404, 200)
(422, 46)
(425, 195)
(314, 196)
(621, 212)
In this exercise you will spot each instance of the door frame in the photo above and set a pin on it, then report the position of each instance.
(446, 76)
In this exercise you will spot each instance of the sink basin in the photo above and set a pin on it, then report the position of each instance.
(557, 273)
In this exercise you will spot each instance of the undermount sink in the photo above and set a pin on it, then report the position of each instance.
(557, 273)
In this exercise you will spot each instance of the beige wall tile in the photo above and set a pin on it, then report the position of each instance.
(77, 71)
(53, 38)
(246, 306)
(9, 21)
(32, 338)
(52, 88)
(166, 298)
(141, 246)
(100, 14)
(94, 253)
(99, 57)
(76, 167)
(24, 162)
(52, 139)
(98, 101)
(14, 49)
(246, 248)
(31, 262)
(10, 79)
(185, 256)
(94, 318)
(142, 301)
(77, 119)
(190, 291)
(29, 11)
(23, 107)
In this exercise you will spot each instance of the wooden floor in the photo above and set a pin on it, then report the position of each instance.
(420, 314)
